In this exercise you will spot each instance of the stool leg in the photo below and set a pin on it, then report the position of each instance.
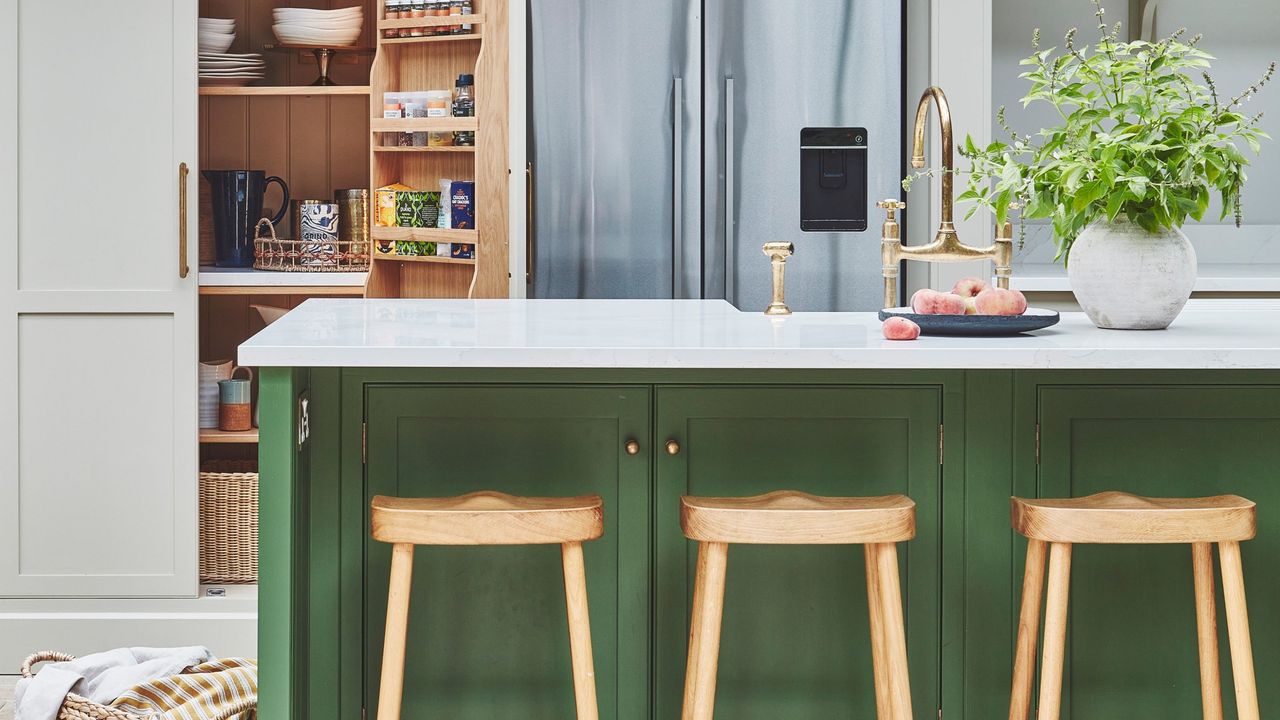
(1238, 631)
(893, 683)
(575, 594)
(1024, 662)
(1055, 631)
(1207, 631)
(879, 659)
(704, 632)
(391, 688)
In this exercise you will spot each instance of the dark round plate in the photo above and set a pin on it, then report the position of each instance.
(976, 325)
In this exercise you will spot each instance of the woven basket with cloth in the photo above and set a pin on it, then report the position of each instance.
(225, 689)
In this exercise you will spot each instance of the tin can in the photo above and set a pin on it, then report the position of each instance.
(315, 222)
(353, 209)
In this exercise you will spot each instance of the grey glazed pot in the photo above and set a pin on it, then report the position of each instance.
(1126, 278)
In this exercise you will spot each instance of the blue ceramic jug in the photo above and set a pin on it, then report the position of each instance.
(237, 207)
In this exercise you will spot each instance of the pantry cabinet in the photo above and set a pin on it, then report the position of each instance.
(97, 301)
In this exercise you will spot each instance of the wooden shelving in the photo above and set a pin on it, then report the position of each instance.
(247, 281)
(426, 259)
(426, 63)
(220, 436)
(402, 125)
(438, 149)
(280, 90)
(426, 234)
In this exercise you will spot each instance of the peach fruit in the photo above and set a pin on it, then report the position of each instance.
(900, 328)
(969, 287)
(932, 302)
(996, 301)
(971, 306)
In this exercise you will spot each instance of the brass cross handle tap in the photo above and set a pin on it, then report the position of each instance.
(778, 252)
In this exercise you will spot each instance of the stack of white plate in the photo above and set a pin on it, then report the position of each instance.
(331, 28)
(216, 35)
(231, 68)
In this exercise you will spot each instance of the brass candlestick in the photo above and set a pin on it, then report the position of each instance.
(778, 252)
(946, 245)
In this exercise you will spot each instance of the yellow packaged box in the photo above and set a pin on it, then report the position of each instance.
(385, 200)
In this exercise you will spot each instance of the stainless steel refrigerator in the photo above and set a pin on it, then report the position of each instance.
(664, 143)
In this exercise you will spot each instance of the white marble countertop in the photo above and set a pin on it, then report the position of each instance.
(670, 334)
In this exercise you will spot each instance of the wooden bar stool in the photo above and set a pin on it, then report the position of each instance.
(1121, 518)
(487, 518)
(795, 518)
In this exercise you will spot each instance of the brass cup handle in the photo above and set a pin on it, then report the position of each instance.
(673, 447)
(632, 447)
(183, 269)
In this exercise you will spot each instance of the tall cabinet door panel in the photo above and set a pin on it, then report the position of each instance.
(795, 629)
(97, 326)
(487, 631)
(1132, 638)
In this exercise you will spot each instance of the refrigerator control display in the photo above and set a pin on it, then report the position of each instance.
(833, 179)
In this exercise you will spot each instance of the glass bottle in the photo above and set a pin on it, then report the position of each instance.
(464, 105)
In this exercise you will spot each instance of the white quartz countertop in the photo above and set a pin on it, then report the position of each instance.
(673, 334)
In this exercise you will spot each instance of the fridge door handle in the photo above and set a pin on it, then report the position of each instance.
(529, 246)
(730, 237)
(677, 188)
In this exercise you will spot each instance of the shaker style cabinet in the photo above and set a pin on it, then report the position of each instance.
(98, 325)
(97, 300)
(488, 634)
(795, 640)
(1134, 644)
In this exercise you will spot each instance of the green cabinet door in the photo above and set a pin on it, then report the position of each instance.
(487, 628)
(1132, 633)
(795, 629)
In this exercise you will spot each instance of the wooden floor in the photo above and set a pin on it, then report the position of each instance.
(6, 696)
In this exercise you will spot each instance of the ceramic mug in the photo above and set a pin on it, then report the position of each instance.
(235, 396)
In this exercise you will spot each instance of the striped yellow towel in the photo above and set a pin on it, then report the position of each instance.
(219, 690)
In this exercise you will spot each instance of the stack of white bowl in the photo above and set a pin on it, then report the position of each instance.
(330, 28)
(219, 67)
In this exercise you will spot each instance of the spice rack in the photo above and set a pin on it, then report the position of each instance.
(431, 62)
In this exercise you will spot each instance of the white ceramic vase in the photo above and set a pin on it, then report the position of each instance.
(1126, 278)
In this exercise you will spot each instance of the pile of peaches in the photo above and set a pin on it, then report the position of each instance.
(970, 296)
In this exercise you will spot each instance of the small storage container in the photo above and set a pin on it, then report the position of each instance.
(229, 523)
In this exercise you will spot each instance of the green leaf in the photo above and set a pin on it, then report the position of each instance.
(1115, 201)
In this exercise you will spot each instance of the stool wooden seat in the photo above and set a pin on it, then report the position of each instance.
(1116, 518)
(1054, 525)
(487, 518)
(795, 518)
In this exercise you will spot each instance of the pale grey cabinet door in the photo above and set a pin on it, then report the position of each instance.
(98, 445)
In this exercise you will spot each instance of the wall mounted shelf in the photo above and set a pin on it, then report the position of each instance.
(284, 90)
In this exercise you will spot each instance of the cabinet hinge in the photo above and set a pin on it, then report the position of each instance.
(939, 713)
(364, 714)
(1037, 443)
(364, 443)
(941, 442)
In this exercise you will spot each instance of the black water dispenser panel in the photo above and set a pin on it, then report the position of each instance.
(833, 179)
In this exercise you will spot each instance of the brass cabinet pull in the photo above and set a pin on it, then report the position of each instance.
(673, 447)
(182, 220)
(633, 447)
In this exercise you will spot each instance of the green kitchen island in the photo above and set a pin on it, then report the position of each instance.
(435, 398)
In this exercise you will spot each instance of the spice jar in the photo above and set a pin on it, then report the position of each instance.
(392, 13)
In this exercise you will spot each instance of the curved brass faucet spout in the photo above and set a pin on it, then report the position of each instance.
(938, 98)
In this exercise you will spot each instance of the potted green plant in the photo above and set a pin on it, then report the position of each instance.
(1144, 140)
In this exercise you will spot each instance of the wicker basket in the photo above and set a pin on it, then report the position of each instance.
(79, 708)
(272, 253)
(228, 527)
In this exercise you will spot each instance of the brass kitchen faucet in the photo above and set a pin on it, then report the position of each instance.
(946, 245)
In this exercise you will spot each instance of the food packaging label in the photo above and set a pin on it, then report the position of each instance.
(417, 208)
(386, 202)
(462, 214)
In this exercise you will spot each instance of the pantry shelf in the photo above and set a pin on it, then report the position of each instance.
(283, 90)
(475, 35)
(444, 124)
(477, 19)
(443, 149)
(426, 259)
(425, 234)
(212, 436)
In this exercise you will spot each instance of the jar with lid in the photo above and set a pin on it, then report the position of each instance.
(392, 13)
(464, 105)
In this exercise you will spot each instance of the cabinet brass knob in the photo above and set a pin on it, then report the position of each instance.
(673, 447)
(633, 447)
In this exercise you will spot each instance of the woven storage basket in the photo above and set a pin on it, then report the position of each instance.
(272, 253)
(79, 708)
(228, 527)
